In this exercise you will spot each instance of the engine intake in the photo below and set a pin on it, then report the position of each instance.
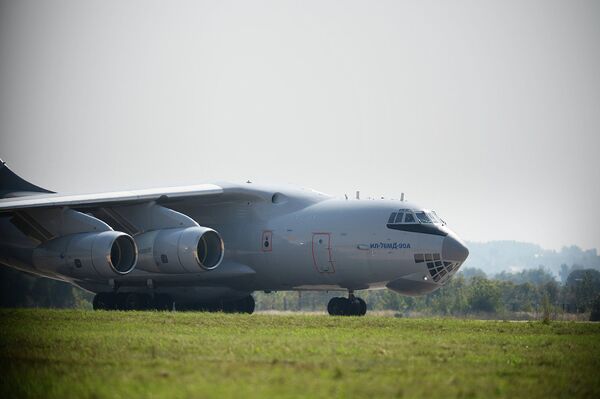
(123, 254)
(185, 250)
(88, 255)
(210, 249)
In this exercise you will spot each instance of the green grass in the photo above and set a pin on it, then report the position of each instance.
(84, 354)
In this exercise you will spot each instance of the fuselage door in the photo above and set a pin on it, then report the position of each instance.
(322, 252)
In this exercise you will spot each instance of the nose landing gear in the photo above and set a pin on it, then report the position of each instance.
(351, 306)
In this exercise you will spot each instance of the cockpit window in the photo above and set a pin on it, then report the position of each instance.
(392, 218)
(417, 221)
(433, 217)
(399, 217)
(423, 218)
(409, 218)
(402, 216)
(439, 218)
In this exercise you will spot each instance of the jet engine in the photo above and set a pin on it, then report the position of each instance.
(88, 255)
(180, 250)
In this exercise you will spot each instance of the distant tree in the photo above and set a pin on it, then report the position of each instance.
(15, 287)
(450, 298)
(459, 300)
(565, 270)
(525, 297)
(496, 256)
(391, 300)
(52, 294)
(582, 288)
(484, 296)
(552, 290)
(546, 309)
(19, 289)
(595, 313)
(535, 276)
(471, 272)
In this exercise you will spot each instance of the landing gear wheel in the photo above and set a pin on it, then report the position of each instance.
(243, 305)
(352, 306)
(246, 305)
(104, 301)
(363, 307)
(337, 306)
(134, 301)
(163, 302)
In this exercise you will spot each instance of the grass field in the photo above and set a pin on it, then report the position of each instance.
(84, 354)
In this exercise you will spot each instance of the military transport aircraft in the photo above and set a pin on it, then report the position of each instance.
(209, 246)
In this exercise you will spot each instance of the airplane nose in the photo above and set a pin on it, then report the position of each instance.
(454, 249)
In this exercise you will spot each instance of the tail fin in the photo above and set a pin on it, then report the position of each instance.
(11, 185)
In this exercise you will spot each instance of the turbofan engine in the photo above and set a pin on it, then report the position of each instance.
(88, 255)
(180, 250)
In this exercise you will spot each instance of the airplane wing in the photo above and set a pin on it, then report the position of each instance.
(44, 215)
(35, 219)
(18, 194)
(111, 198)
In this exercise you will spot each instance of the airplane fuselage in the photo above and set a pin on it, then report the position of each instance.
(317, 243)
(220, 242)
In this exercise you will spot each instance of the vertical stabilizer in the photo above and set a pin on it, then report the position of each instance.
(11, 185)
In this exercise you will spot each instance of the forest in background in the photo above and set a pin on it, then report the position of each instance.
(512, 256)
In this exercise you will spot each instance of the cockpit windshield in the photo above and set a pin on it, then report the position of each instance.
(399, 217)
(439, 219)
(407, 216)
(403, 216)
(423, 218)
(432, 217)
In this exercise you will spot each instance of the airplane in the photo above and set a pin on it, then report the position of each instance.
(210, 246)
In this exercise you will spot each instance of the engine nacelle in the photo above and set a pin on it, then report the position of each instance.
(88, 255)
(180, 250)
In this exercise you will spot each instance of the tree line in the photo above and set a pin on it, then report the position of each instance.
(19, 289)
(471, 291)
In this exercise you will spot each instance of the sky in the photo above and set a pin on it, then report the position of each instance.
(486, 111)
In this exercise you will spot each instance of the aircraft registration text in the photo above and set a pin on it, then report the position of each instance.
(389, 245)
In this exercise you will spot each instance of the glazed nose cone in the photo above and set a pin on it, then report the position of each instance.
(454, 249)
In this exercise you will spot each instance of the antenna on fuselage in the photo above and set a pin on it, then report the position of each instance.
(358, 195)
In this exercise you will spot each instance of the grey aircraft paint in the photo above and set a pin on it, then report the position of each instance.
(253, 238)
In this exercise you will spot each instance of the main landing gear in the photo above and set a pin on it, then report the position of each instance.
(351, 306)
(132, 301)
(141, 301)
(242, 305)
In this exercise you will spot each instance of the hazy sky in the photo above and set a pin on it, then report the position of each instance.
(487, 111)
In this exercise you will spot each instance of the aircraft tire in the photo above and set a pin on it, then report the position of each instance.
(353, 307)
(134, 301)
(246, 305)
(104, 301)
(162, 302)
(337, 306)
(363, 307)
(243, 305)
